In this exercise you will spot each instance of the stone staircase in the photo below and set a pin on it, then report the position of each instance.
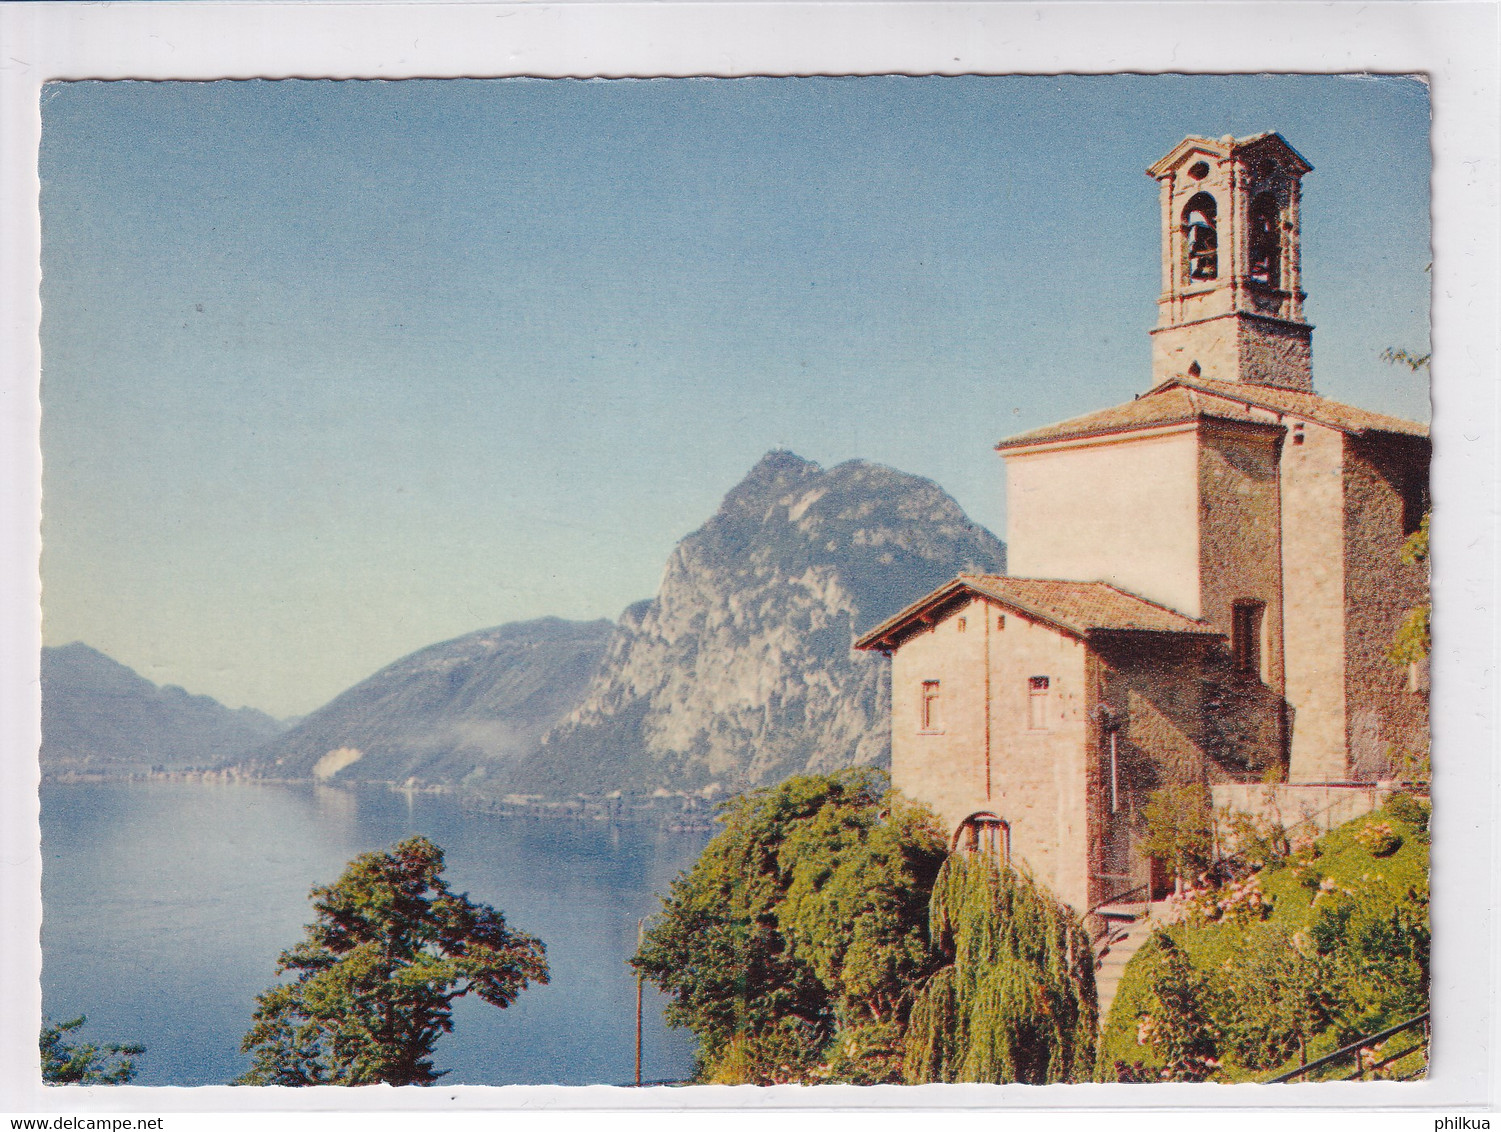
(1130, 926)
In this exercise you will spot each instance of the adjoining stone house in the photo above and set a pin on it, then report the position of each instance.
(1205, 580)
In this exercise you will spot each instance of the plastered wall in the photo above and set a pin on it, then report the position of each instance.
(1037, 776)
(1108, 511)
(1313, 601)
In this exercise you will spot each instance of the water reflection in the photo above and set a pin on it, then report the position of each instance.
(166, 905)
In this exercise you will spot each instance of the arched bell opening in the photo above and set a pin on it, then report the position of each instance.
(983, 832)
(1266, 241)
(1201, 257)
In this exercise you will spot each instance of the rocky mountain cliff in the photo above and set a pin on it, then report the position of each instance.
(100, 717)
(740, 671)
(454, 713)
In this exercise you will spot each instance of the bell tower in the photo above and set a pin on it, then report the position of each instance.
(1231, 308)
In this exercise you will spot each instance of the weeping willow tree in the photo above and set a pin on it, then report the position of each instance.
(1016, 1001)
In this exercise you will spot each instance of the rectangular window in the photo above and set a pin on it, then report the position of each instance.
(930, 705)
(1245, 636)
(1415, 501)
(1417, 676)
(1037, 703)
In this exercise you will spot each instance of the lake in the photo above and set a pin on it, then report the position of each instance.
(167, 903)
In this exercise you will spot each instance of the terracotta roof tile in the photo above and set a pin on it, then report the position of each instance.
(1334, 414)
(1180, 400)
(1175, 406)
(1077, 608)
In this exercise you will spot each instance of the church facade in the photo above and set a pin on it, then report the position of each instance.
(1204, 580)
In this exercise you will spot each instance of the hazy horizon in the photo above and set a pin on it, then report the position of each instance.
(333, 371)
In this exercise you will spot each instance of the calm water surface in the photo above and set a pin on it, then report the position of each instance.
(166, 905)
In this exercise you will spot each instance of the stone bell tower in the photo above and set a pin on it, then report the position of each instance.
(1231, 308)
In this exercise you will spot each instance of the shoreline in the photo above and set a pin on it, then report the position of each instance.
(674, 813)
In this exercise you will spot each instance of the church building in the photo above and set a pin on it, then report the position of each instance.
(1204, 580)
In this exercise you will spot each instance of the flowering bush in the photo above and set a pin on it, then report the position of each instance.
(1253, 841)
(1379, 838)
(1238, 902)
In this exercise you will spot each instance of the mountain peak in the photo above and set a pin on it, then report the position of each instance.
(781, 461)
(740, 671)
(775, 474)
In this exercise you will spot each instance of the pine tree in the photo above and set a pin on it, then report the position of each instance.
(83, 1063)
(378, 972)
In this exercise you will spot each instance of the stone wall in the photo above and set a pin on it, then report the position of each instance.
(1385, 485)
(1240, 533)
(1276, 353)
(1241, 561)
(1149, 693)
(1237, 347)
(1301, 808)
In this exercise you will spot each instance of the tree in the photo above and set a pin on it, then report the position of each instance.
(1180, 828)
(790, 947)
(378, 972)
(1279, 996)
(1400, 356)
(1016, 1000)
(1180, 1025)
(67, 1063)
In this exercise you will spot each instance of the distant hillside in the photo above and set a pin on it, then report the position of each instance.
(100, 717)
(453, 713)
(740, 671)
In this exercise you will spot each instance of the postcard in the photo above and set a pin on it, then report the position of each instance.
(676, 581)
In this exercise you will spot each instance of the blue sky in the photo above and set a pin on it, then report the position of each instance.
(335, 370)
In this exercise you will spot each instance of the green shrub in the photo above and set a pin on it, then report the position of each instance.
(1343, 951)
(1178, 1025)
(1409, 811)
(1179, 828)
(1279, 998)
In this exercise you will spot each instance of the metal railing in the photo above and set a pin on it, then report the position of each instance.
(1098, 925)
(1361, 1046)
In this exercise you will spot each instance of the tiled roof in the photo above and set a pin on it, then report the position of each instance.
(1221, 147)
(1334, 414)
(1180, 400)
(1175, 406)
(1077, 608)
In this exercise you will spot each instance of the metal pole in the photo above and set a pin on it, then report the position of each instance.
(1114, 776)
(640, 938)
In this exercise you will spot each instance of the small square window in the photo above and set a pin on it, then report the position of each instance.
(961, 624)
